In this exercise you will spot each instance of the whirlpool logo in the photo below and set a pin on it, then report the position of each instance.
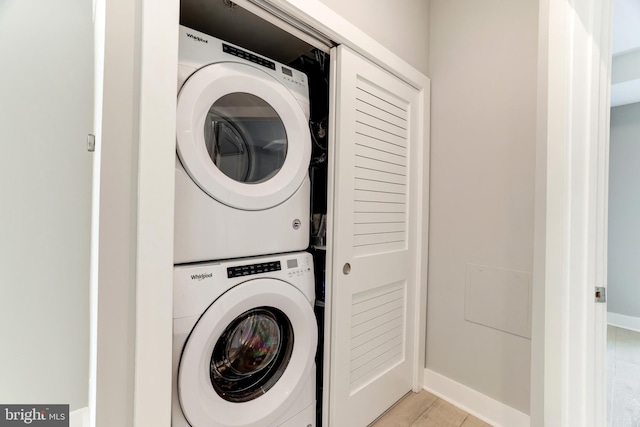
(198, 39)
(201, 276)
(34, 415)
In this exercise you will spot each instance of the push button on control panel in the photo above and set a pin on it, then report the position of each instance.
(299, 272)
(248, 56)
(298, 267)
(248, 270)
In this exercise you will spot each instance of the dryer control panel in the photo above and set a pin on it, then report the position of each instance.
(248, 56)
(199, 49)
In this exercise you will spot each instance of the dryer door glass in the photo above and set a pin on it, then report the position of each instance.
(251, 354)
(245, 138)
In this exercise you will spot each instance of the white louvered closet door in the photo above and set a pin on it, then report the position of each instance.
(374, 241)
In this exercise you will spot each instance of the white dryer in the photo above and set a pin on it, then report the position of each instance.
(244, 342)
(243, 153)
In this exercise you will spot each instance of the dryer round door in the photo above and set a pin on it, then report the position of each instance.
(248, 356)
(242, 136)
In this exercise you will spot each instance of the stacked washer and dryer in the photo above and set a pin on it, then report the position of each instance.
(245, 332)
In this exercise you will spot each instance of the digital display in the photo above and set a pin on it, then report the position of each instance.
(287, 72)
(292, 263)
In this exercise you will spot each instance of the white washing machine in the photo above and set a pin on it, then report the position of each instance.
(243, 153)
(244, 343)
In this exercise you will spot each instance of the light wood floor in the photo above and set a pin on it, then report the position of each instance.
(623, 377)
(623, 393)
(426, 410)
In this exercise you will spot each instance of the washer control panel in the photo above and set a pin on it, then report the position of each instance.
(251, 269)
(298, 266)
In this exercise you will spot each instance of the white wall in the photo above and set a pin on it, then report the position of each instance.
(483, 70)
(625, 78)
(401, 27)
(45, 183)
(624, 211)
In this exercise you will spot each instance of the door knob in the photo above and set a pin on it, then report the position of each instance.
(346, 269)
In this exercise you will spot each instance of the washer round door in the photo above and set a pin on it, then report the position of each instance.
(248, 356)
(242, 136)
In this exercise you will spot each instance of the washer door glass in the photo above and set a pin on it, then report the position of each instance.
(245, 138)
(251, 354)
(242, 346)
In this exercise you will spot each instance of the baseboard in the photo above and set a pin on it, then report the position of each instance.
(477, 404)
(623, 321)
(79, 417)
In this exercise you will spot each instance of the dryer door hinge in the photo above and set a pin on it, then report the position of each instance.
(601, 294)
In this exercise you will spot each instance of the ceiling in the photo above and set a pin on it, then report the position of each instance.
(626, 25)
(625, 73)
(238, 26)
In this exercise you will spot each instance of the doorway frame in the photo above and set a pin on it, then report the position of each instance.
(132, 269)
(569, 328)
